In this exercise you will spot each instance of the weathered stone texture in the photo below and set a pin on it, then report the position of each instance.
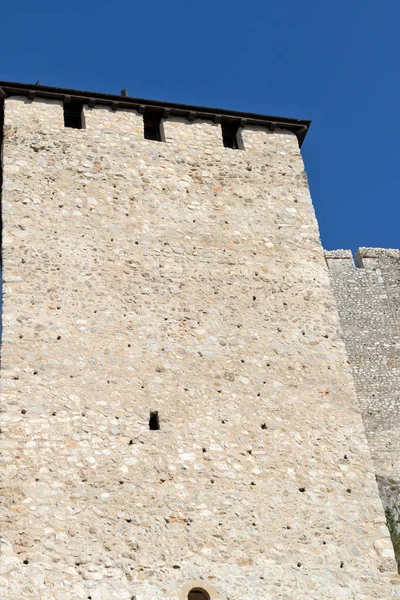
(368, 299)
(187, 278)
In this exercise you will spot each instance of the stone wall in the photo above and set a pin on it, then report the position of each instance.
(368, 298)
(185, 278)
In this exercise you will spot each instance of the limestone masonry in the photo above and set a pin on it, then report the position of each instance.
(179, 416)
(368, 299)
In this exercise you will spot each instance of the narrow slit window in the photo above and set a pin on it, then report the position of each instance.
(152, 127)
(154, 421)
(231, 136)
(73, 115)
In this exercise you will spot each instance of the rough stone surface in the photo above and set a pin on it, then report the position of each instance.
(368, 299)
(189, 279)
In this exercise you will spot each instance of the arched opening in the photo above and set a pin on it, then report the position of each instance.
(198, 594)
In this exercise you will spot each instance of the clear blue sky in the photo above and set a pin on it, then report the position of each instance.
(336, 63)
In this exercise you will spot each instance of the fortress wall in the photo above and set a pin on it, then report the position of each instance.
(369, 308)
(184, 278)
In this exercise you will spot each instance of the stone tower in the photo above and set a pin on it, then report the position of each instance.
(179, 417)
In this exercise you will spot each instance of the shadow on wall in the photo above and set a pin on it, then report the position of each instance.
(1, 225)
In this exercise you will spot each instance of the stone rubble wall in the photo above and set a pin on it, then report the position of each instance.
(189, 279)
(368, 299)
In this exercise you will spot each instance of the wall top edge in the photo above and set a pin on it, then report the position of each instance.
(364, 253)
(297, 126)
(339, 254)
(378, 252)
(360, 258)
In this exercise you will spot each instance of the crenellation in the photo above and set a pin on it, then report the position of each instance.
(257, 137)
(183, 278)
(104, 119)
(340, 261)
(384, 253)
(202, 135)
(332, 255)
(28, 115)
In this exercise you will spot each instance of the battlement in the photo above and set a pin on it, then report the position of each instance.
(162, 110)
(364, 258)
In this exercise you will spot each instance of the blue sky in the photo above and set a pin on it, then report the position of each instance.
(336, 63)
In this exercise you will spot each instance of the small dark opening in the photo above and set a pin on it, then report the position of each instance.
(230, 135)
(73, 115)
(198, 594)
(154, 421)
(152, 126)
